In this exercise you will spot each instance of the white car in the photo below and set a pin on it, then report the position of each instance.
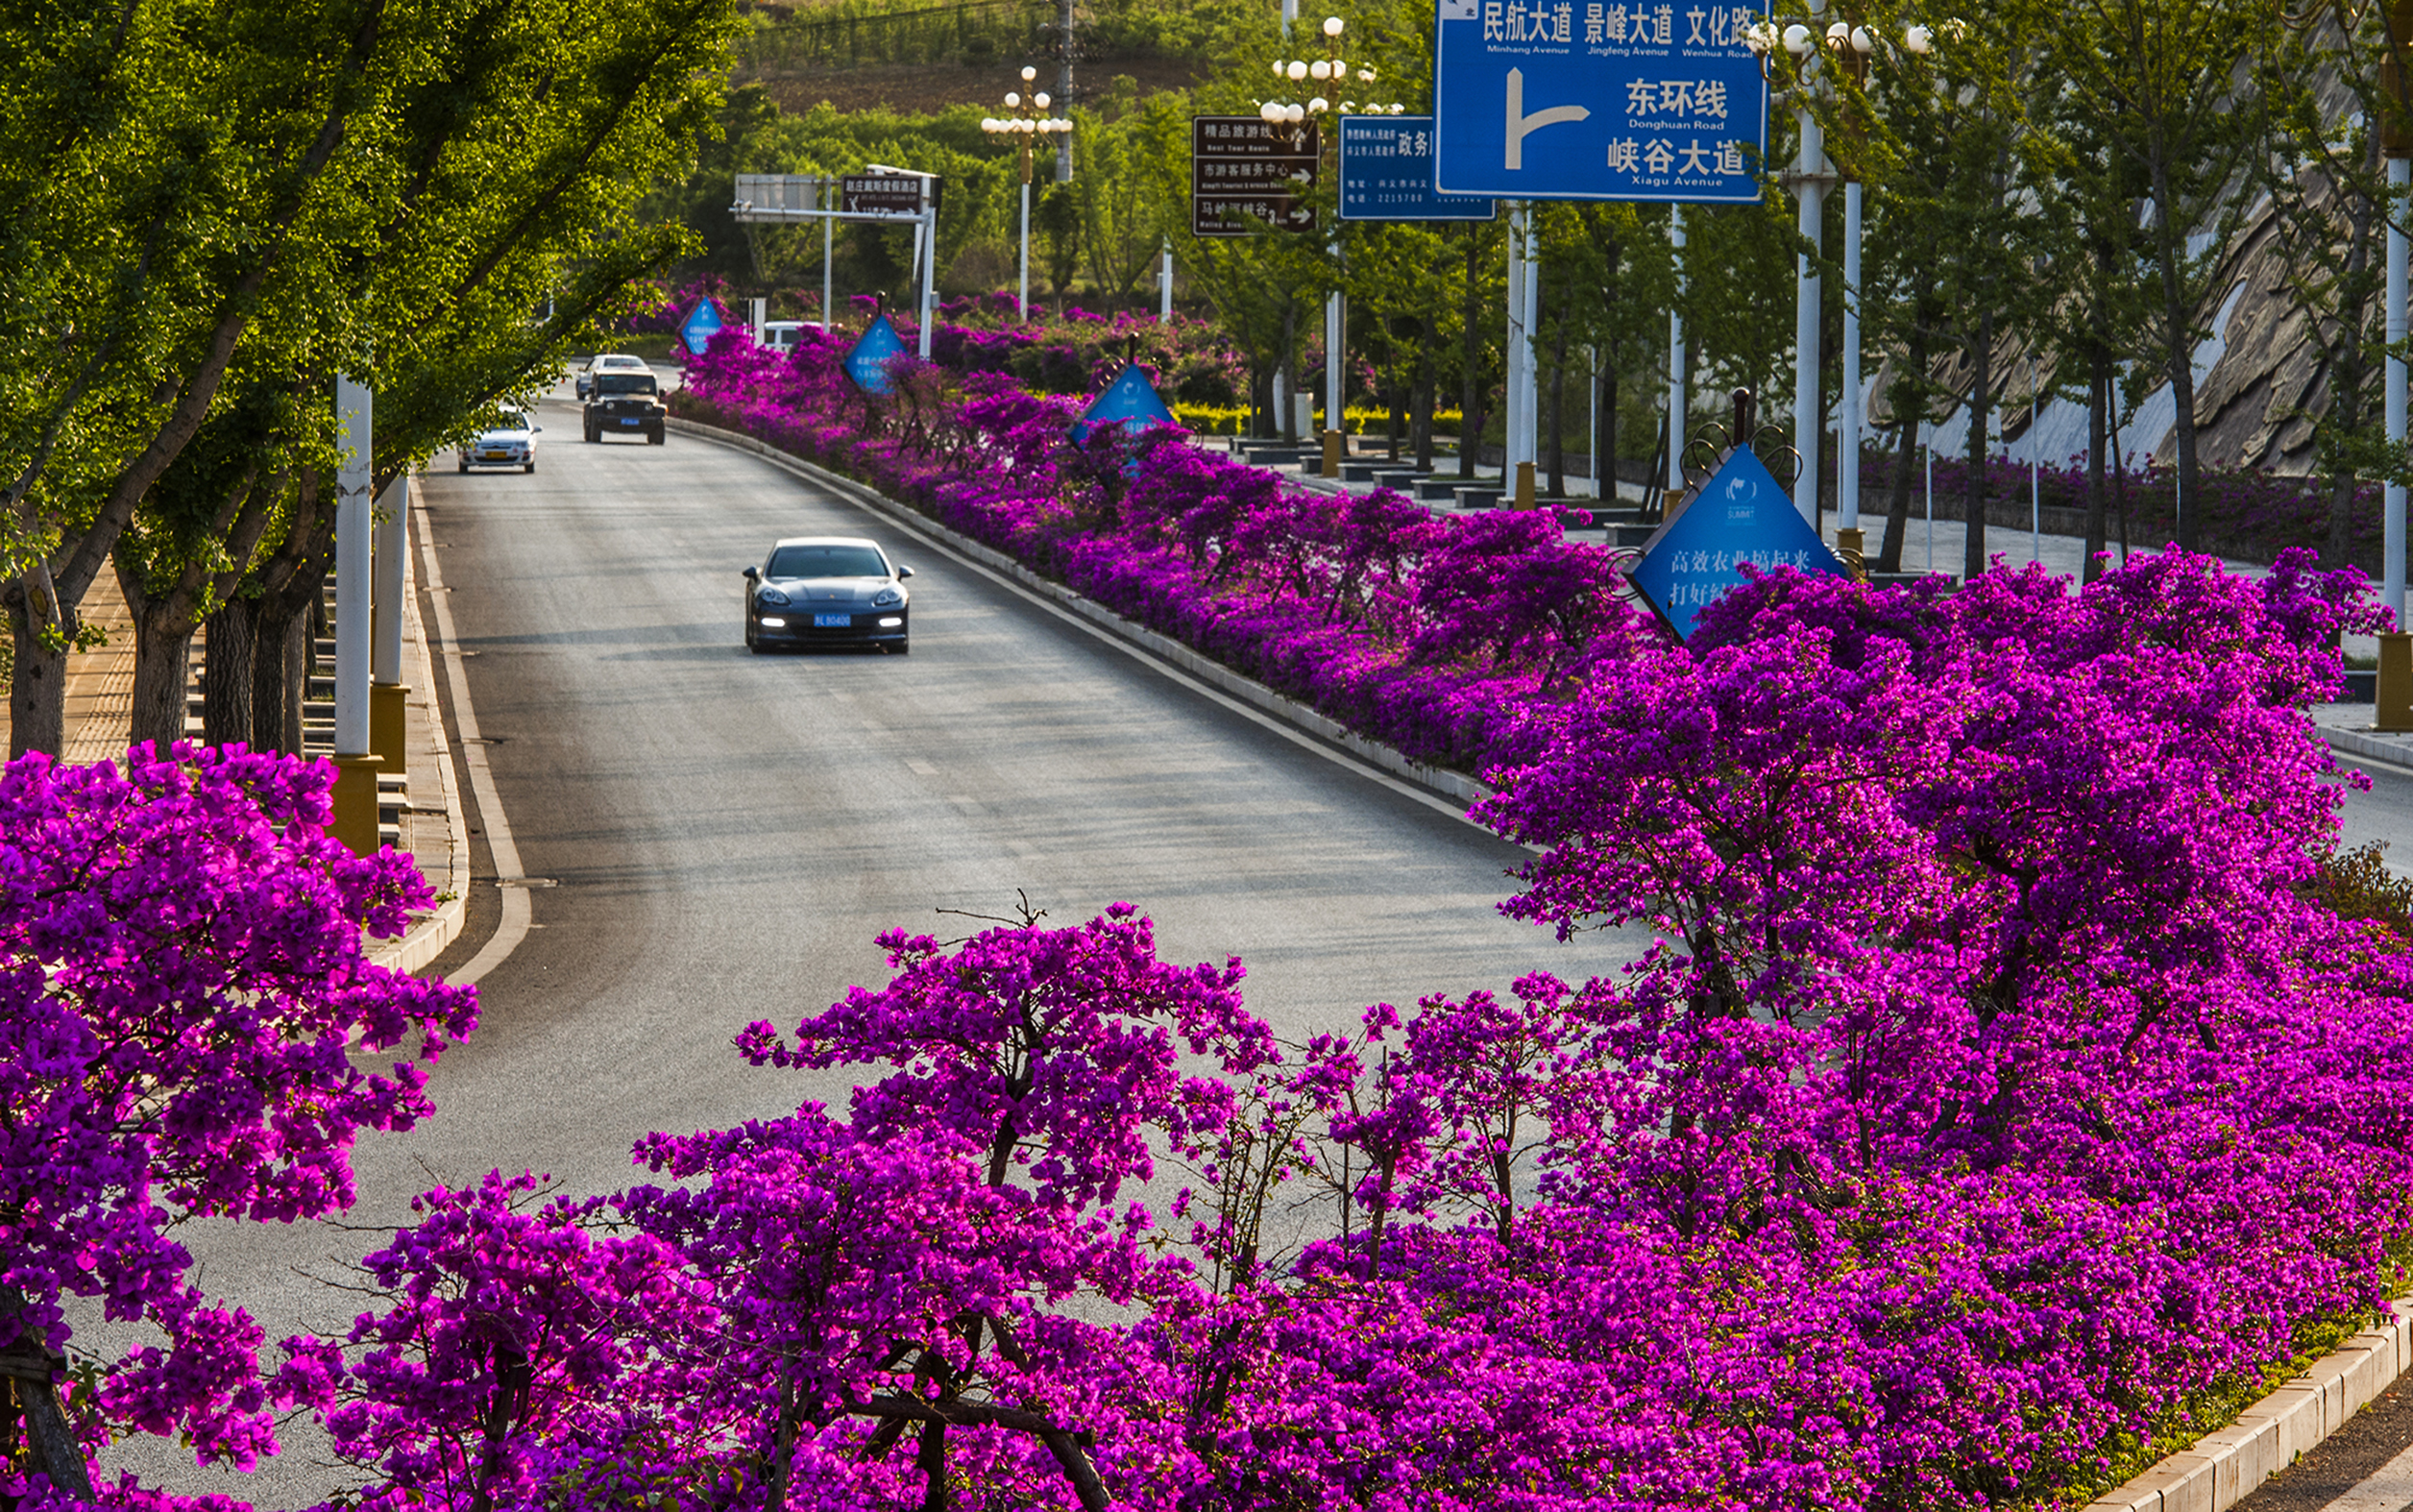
(510, 442)
(780, 335)
(609, 362)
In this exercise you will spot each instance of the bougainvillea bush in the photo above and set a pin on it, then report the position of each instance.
(1999, 1090)
(1425, 633)
(183, 987)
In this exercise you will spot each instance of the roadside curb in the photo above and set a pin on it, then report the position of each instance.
(2369, 748)
(2225, 1466)
(1440, 781)
(433, 931)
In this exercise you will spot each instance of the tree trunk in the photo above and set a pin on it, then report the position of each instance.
(2178, 349)
(1605, 464)
(1558, 406)
(2345, 386)
(41, 625)
(2098, 408)
(1423, 423)
(1907, 401)
(163, 672)
(1981, 404)
(932, 1462)
(225, 675)
(1897, 529)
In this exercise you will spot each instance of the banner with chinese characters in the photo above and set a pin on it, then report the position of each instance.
(1387, 173)
(1737, 517)
(1243, 166)
(1599, 100)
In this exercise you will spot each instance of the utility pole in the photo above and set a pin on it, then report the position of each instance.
(2394, 703)
(1063, 85)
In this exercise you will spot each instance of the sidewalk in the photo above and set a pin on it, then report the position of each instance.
(419, 811)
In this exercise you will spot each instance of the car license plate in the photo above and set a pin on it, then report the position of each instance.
(495, 456)
(833, 622)
(632, 420)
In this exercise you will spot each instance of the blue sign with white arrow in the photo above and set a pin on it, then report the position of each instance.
(1130, 399)
(1387, 173)
(701, 324)
(1599, 100)
(1739, 517)
(867, 359)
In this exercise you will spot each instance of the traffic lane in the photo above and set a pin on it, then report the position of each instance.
(725, 833)
(2383, 814)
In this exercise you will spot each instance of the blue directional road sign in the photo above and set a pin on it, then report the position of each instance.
(700, 325)
(867, 361)
(1387, 173)
(1599, 100)
(1130, 399)
(1739, 516)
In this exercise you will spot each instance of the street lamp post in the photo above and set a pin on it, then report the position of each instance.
(1809, 178)
(1025, 124)
(1331, 71)
(2392, 699)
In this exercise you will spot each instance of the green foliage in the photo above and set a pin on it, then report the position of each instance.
(2359, 884)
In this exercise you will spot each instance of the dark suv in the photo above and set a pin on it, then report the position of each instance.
(620, 404)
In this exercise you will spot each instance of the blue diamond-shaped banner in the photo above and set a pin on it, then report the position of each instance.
(1739, 517)
(867, 361)
(1130, 399)
(702, 325)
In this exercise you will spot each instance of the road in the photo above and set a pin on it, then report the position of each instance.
(723, 835)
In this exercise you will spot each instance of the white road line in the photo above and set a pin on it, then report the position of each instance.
(518, 913)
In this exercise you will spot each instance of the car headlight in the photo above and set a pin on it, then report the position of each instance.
(892, 621)
(772, 621)
(887, 597)
(773, 596)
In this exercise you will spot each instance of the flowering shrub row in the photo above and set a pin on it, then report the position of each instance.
(1998, 1086)
(1420, 632)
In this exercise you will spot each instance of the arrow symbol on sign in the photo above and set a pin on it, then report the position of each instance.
(1520, 124)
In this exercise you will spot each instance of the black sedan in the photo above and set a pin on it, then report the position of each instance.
(827, 590)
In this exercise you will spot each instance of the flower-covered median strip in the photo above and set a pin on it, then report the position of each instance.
(2021, 1082)
(1419, 632)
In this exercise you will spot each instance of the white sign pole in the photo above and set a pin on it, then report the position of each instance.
(1678, 369)
(1847, 446)
(929, 276)
(829, 233)
(1165, 294)
(1807, 422)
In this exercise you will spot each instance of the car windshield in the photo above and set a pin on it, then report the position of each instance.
(624, 384)
(827, 561)
(508, 422)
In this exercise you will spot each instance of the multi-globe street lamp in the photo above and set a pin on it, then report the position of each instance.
(1852, 45)
(1027, 123)
(1332, 74)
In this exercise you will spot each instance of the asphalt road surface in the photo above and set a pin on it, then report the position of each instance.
(719, 836)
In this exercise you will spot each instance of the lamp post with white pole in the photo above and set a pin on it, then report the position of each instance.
(1810, 180)
(1331, 72)
(2394, 695)
(1025, 124)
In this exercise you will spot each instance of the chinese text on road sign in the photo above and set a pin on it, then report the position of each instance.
(1599, 100)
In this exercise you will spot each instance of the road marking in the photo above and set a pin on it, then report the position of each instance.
(923, 768)
(518, 913)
